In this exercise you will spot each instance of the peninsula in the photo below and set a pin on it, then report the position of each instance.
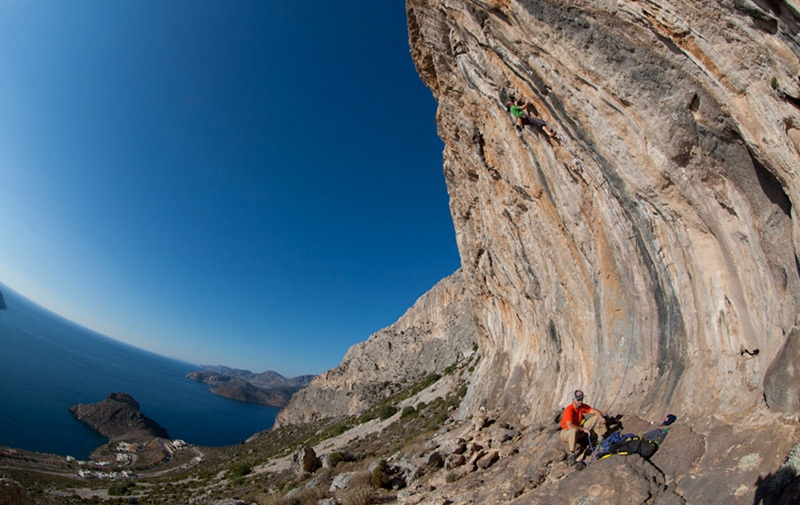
(266, 388)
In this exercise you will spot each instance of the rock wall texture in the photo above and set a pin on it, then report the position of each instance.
(648, 254)
(434, 333)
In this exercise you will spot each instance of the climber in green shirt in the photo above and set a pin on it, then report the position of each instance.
(521, 115)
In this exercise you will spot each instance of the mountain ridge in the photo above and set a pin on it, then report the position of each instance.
(265, 388)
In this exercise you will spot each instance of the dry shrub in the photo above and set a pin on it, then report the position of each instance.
(303, 497)
(363, 494)
(268, 499)
(360, 491)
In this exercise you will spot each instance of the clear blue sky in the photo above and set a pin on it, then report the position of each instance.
(250, 183)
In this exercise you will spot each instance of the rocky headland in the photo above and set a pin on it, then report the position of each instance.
(118, 418)
(266, 388)
(2, 301)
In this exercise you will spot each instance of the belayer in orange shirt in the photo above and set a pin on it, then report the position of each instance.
(579, 418)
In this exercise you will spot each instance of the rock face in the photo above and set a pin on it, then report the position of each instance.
(433, 334)
(275, 392)
(2, 302)
(118, 418)
(649, 253)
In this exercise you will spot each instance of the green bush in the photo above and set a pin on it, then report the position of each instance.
(407, 412)
(386, 412)
(239, 470)
(441, 417)
(462, 391)
(121, 488)
(430, 379)
(339, 429)
(380, 475)
(335, 458)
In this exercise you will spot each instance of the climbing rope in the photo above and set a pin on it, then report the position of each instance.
(602, 187)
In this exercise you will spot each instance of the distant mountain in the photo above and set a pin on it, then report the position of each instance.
(265, 388)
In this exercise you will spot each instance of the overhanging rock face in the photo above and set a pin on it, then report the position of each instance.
(648, 254)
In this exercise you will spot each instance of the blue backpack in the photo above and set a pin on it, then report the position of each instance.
(629, 443)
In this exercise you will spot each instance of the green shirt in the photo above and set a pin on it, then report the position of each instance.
(517, 111)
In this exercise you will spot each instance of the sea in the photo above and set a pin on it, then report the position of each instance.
(48, 363)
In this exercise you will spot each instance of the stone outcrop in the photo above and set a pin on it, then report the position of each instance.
(118, 418)
(436, 332)
(305, 461)
(655, 239)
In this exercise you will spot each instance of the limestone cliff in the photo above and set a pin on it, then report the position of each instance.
(434, 333)
(648, 254)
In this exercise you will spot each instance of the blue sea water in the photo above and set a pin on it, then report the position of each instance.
(48, 363)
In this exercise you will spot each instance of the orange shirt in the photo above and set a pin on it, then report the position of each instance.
(573, 414)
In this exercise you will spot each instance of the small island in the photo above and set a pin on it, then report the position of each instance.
(118, 418)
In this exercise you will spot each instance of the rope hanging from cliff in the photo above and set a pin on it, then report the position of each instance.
(603, 187)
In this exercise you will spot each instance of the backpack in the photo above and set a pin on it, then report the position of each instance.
(630, 444)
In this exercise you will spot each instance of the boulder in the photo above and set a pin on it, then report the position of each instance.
(305, 460)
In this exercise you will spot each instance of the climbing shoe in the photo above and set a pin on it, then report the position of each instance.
(572, 458)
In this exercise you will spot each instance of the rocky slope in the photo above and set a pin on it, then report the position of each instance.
(118, 418)
(436, 332)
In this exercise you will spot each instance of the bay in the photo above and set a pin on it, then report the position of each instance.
(48, 363)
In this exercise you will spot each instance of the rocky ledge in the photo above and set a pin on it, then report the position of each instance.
(118, 418)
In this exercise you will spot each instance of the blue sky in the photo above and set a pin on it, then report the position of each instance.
(249, 183)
